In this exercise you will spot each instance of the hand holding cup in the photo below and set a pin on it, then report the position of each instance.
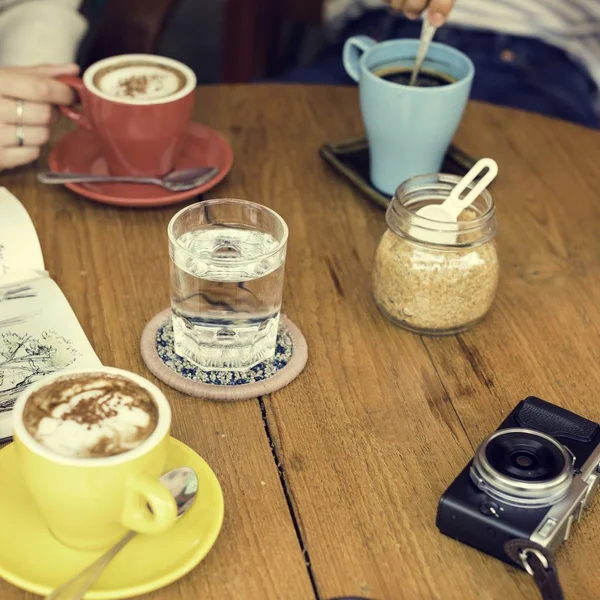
(27, 97)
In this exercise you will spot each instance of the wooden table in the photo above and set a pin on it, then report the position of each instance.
(331, 485)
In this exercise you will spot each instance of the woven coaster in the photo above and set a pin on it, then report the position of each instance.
(181, 374)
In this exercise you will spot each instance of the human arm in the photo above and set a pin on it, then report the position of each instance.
(34, 32)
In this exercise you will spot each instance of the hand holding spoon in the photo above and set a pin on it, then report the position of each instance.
(182, 483)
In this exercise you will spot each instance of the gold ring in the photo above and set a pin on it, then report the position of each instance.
(20, 135)
(19, 103)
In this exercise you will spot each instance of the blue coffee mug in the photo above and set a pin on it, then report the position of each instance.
(409, 128)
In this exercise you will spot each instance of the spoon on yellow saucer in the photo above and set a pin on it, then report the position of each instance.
(182, 483)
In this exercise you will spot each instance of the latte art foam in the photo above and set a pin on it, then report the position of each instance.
(139, 81)
(90, 415)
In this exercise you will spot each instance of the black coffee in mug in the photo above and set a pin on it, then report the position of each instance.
(426, 77)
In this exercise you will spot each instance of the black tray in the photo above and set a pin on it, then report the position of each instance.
(351, 160)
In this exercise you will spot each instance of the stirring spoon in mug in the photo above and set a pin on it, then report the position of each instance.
(176, 181)
(183, 485)
(427, 32)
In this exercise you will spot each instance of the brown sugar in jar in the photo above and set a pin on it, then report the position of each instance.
(436, 278)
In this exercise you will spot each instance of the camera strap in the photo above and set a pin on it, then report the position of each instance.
(539, 563)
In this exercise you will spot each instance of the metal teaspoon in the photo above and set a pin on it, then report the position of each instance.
(184, 493)
(427, 33)
(176, 181)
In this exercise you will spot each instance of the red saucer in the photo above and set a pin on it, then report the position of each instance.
(79, 152)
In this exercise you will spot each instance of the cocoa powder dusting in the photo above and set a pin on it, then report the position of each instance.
(138, 84)
(103, 395)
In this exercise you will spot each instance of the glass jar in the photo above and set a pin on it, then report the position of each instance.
(432, 277)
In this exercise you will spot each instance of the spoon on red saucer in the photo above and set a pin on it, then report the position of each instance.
(176, 181)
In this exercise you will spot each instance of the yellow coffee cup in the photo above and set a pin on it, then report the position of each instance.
(89, 503)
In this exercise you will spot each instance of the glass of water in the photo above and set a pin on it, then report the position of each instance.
(227, 263)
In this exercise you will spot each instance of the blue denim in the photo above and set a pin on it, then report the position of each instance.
(510, 71)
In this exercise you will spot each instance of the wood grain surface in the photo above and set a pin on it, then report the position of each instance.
(381, 421)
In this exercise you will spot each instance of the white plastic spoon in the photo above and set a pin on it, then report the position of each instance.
(451, 208)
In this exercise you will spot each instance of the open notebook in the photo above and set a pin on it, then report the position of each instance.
(39, 332)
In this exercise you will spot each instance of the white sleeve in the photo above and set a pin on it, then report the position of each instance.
(40, 32)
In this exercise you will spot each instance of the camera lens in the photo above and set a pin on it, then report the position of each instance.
(525, 456)
(522, 467)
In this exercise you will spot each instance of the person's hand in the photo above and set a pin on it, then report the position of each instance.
(437, 10)
(27, 97)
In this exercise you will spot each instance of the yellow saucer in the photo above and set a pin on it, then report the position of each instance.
(32, 559)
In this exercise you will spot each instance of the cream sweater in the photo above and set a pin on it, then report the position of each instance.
(39, 31)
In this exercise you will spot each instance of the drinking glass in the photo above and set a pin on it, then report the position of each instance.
(227, 266)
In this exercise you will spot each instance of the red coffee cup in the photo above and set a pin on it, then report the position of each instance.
(139, 106)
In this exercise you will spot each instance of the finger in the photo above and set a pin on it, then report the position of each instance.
(439, 10)
(37, 88)
(413, 8)
(33, 135)
(49, 70)
(13, 157)
(396, 4)
(34, 113)
(55, 116)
